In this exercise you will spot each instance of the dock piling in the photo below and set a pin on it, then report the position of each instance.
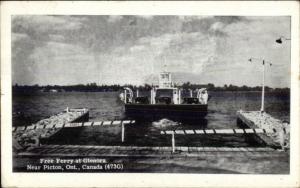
(173, 142)
(123, 132)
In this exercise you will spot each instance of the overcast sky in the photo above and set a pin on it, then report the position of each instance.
(67, 50)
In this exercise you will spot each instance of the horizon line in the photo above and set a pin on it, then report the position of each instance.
(88, 84)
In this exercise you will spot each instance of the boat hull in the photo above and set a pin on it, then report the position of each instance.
(158, 111)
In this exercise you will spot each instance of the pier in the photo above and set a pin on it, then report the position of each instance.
(30, 135)
(219, 131)
(58, 120)
(25, 137)
(258, 132)
(28, 146)
(277, 132)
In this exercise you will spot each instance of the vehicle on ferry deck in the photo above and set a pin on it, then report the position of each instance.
(165, 101)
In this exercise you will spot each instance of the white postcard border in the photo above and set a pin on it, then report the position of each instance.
(245, 8)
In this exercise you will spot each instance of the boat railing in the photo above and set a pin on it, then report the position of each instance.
(177, 97)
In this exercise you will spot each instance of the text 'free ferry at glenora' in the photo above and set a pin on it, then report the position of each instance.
(166, 101)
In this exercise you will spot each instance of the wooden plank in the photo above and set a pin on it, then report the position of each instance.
(97, 123)
(199, 131)
(209, 131)
(249, 131)
(116, 122)
(76, 124)
(87, 124)
(169, 132)
(179, 132)
(107, 123)
(239, 131)
(189, 132)
(225, 131)
(259, 131)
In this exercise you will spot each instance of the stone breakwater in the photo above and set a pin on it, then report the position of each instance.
(256, 119)
(29, 136)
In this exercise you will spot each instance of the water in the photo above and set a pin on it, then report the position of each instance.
(222, 108)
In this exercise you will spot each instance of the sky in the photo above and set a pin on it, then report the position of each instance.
(66, 50)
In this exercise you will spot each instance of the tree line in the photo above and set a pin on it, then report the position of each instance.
(93, 87)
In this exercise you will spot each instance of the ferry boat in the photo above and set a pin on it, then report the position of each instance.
(165, 101)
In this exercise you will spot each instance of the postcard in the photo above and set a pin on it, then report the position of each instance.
(150, 94)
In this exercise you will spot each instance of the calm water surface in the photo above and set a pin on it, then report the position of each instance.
(31, 108)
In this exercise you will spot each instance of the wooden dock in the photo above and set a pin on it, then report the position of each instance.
(218, 131)
(32, 135)
(215, 132)
(75, 124)
(267, 129)
(133, 151)
(277, 132)
(26, 136)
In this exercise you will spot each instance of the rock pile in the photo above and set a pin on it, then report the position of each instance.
(24, 139)
(266, 121)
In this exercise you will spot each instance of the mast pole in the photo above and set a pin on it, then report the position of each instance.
(263, 89)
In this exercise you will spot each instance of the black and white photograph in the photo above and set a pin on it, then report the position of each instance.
(151, 94)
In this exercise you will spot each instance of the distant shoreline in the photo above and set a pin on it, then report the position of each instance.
(93, 87)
